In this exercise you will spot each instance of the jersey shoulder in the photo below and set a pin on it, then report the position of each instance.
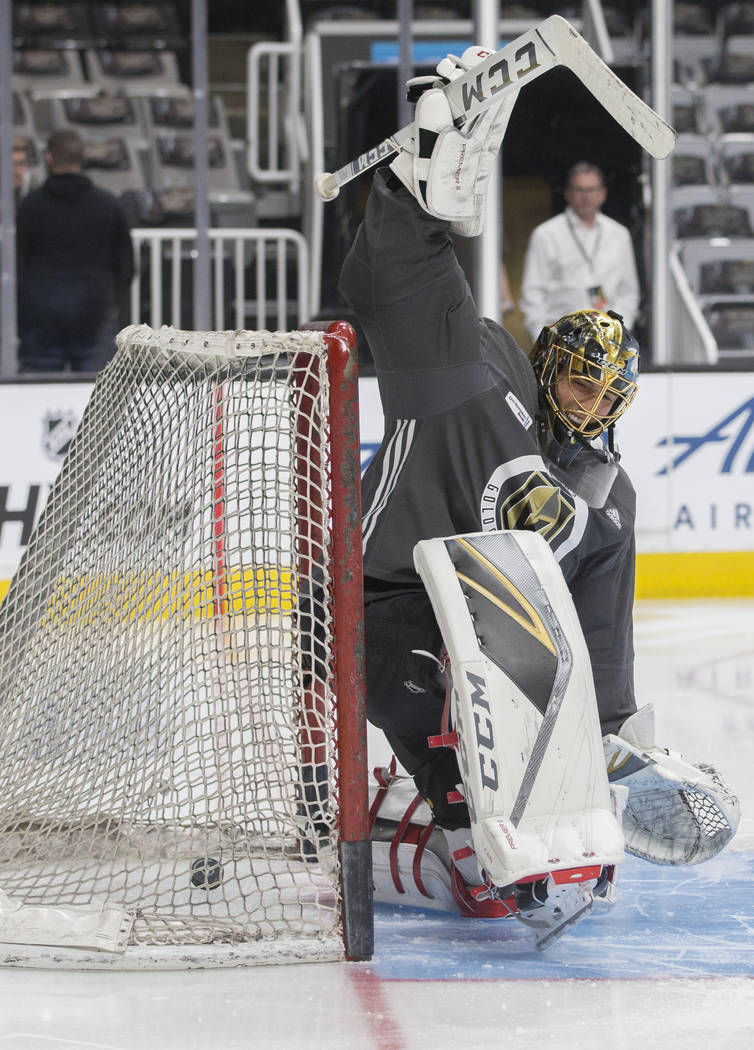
(624, 487)
(511, 364)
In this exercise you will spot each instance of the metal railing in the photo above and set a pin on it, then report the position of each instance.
(259, 278)
(691, 341)
(277, 142)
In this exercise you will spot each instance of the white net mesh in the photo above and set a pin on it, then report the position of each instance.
(167, 734)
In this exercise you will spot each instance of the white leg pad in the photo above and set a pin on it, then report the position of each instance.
(434, 874)
(523, 706)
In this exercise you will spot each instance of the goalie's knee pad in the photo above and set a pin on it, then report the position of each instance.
(676, 812)
(522, 706)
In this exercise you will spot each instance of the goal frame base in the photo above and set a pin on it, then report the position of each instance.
(279, 952)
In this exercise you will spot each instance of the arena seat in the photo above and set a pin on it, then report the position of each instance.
(719, 267)
(736, 159)
(114, 164)
(133, 72)
(46, 70)
(46, 25)
(138, 26)
(731, 321)
(94, 115)
(708, 211)
(693, 162)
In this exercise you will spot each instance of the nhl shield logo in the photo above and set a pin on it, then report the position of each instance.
(59, 429)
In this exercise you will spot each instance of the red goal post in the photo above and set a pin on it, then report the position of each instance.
(345, 481)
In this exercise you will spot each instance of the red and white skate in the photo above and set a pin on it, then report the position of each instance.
(416, 865)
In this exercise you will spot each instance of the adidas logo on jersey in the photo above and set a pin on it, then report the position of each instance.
(614, 516)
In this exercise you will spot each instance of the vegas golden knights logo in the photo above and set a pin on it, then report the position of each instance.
(539, 506)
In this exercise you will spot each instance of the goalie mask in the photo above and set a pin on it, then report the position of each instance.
(587, 365)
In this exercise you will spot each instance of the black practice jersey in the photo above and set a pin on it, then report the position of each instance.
(460, 452)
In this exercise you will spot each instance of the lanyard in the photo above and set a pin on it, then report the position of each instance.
(588, 259)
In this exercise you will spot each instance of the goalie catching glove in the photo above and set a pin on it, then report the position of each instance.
(445, 169)
(677, 813)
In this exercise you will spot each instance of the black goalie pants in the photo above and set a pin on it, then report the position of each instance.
(406, 693)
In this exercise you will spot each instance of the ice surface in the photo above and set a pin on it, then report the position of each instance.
(671, 965)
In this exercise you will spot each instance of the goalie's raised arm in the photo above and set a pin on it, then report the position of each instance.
(402, 279)
(552, 43)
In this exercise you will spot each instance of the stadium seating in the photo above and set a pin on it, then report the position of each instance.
(45, 70)
(94, 115)
(133, 72)
(118, 73)
(113, 71)
(712, 181)
(692, 161)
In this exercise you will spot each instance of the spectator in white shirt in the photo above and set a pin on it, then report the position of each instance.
(580, 259)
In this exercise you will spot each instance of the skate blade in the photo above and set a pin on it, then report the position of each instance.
(548, 930)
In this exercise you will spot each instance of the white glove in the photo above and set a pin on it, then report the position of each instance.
(445, 169)
(676, 812)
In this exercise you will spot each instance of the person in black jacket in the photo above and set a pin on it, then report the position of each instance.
(75, 265)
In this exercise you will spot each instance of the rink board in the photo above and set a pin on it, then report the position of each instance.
(688, 448)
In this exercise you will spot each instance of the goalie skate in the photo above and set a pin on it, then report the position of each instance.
(414, 864)
(412, 860)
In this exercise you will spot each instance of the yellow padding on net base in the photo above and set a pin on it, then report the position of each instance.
(188, 595)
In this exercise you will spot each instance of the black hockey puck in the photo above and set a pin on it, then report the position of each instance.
(206, 873)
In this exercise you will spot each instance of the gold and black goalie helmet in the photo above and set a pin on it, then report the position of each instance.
(598, 358)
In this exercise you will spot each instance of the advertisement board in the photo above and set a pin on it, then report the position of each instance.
(37, 423)
(687, 443)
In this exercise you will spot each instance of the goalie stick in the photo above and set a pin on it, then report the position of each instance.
(554, 42)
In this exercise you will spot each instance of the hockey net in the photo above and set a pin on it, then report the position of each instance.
(182, 736)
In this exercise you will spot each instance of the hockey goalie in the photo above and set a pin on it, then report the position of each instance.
(499, 555)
